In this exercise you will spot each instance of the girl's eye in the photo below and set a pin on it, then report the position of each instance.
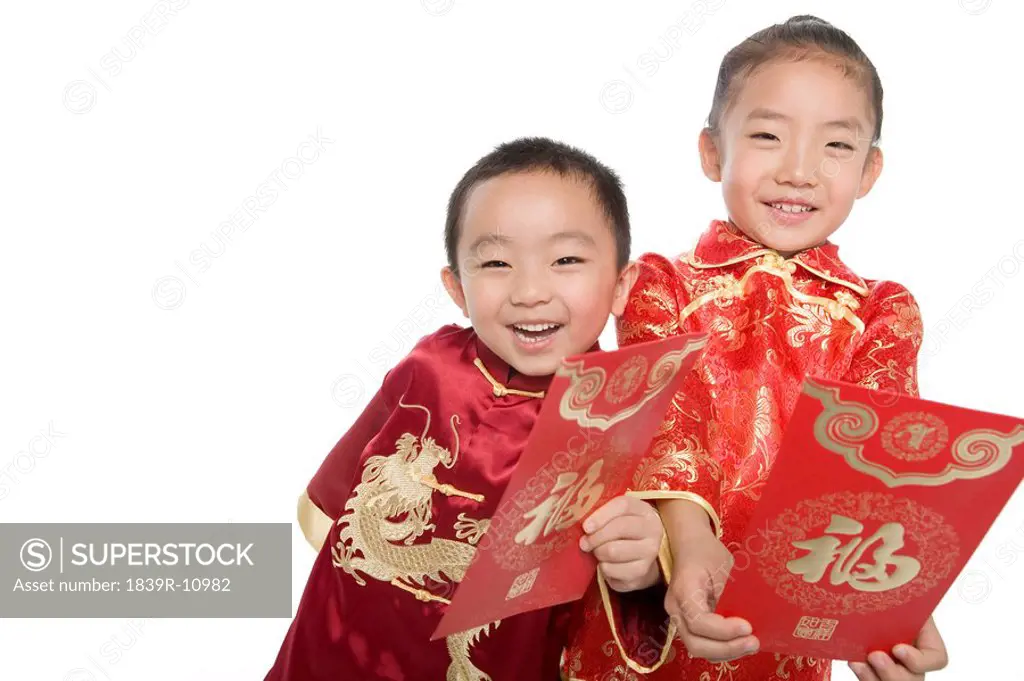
(764, 136)
(841, 145)
(569, 260)
(494, 263)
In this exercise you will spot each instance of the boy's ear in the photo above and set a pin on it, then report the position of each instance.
(623, 286)
(710, 157)
(872, 169)
(454, 288)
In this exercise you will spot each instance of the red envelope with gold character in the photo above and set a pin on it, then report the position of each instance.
(874, 505)
(598, 418)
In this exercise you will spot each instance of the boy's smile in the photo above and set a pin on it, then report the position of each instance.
(535, 336)
(537, 268)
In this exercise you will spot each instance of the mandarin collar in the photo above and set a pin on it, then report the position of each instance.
(509, 377)
(723, 244)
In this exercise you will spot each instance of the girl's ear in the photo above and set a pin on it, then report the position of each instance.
(454, 287)
(872, 169)
(623, 286)
(710, 156)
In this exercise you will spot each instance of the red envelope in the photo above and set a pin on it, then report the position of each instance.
(875, 503)
(598, 418)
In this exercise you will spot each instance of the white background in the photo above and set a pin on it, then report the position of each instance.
(183, 393)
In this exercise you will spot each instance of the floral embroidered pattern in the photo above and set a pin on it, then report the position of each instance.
(907, 324)
(798, 665)
(814, 324)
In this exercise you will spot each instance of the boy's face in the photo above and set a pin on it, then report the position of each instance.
(793, 153)
(537, 269)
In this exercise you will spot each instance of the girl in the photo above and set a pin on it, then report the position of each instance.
(791, 137)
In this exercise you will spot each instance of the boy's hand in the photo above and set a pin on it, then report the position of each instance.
(625, 537)
(911, 662)
(702, 565)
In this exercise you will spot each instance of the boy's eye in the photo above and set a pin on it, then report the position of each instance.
(764, 136)
(494, 263)
(569, 260)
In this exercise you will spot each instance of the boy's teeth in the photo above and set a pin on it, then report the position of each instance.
(534, 333)
(536, 328)
(527, 339)
(791, 207)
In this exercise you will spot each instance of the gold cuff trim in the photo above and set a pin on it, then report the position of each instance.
(665, 555)
(315, 523)
(499, 389)
(661, 495)
(448, 490)
(630, 662)
(421, 594)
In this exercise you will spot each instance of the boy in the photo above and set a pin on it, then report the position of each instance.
(537, 238)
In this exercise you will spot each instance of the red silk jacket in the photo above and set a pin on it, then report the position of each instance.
(772, 321)
(397, 509)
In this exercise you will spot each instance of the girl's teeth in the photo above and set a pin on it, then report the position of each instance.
(536, 328)
(791, 208)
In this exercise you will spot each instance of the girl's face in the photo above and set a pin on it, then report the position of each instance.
(793, 153)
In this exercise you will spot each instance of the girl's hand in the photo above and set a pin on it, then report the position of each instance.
(702, 565)
(911, 663)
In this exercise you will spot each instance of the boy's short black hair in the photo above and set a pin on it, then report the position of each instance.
(543, 154)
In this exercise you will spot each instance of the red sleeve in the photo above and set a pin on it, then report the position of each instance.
(331, 485)
(886, 355)
(324, 499)
(678, 463)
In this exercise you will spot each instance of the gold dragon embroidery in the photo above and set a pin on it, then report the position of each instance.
(390, 510)
(461, 669)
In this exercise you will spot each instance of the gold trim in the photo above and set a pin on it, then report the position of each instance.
(777, 267)
(315, 524)
(630, 662)
(843, 425)
(665, 562)
(586, 385)
(662, 495)
(500, 390)
(857, 288)
(691, 259)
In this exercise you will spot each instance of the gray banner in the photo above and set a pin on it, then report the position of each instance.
(145, 570)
